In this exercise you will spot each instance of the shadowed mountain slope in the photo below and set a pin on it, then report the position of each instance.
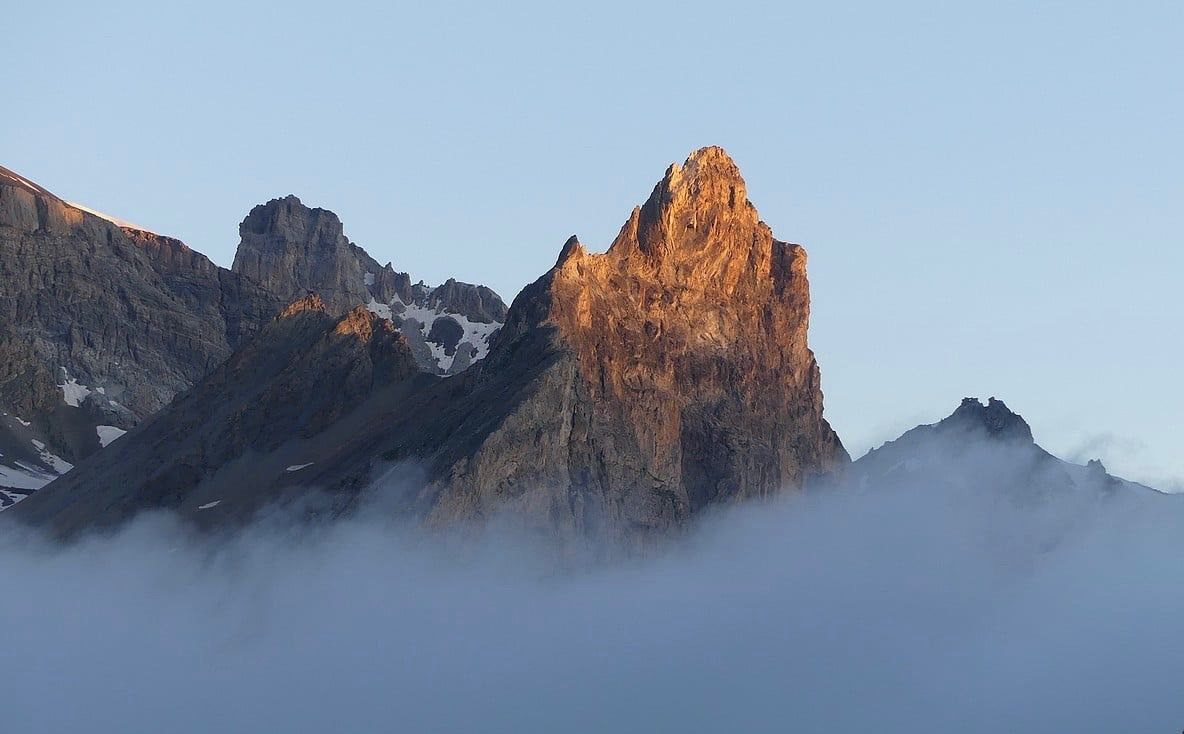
(100, 326)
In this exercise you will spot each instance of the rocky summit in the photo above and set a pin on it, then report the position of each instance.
(668, 373)
(626, 392)
(103, 323)
(293, 249)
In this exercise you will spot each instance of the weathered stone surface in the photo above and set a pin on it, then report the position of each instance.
(476, 302)
(293, 249)
(129, 316)
(235, 441)
(447, 333)
(672, 372)
(626, 392)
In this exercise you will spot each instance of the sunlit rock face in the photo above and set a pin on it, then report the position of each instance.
(626, 392)
(673, 371)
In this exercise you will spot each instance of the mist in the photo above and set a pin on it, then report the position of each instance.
(907, 608)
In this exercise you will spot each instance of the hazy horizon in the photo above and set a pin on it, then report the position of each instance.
(989, 197)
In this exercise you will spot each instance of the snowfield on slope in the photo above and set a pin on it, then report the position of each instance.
(476, 335)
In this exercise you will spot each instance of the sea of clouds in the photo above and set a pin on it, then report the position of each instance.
(902, 609)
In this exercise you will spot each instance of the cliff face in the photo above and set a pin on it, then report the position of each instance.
(293, 249)
(626, 392)
(677, 372)
(100, 326)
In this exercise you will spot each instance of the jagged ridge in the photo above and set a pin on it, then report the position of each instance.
(626, 392)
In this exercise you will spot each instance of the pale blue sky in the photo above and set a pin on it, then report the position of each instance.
(992, 194)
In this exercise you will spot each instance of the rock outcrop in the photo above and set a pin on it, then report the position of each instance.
(100, 326)
(293, 249)
(626, 392)
(669, 373)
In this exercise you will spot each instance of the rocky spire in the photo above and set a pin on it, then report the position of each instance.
(696, 210)
(683, 348)
(693, 281)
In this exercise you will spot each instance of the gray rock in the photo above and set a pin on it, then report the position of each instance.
(475, 302)
(446, 332)
(130, 316)
(626, 393)
(234, 439)
(292, 250)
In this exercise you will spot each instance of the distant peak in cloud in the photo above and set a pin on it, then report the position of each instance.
(995, 418)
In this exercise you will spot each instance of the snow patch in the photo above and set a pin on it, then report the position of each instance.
(109, 218)
(19, 479)
(23, 476)
(59, 465)
(19, 179)
(380, 309)
(107, 434)
(73, 392)
(477, 336)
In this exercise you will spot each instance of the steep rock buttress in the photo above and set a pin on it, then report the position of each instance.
(670, 372)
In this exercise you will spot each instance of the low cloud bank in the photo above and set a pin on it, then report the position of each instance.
(889, 610)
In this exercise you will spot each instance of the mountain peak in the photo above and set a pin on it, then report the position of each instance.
(686, 342)
(995, 418)
(626, 391)
(291, 249)
(708, 165)
(289, 216)
(696, 210)
(571, 249)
